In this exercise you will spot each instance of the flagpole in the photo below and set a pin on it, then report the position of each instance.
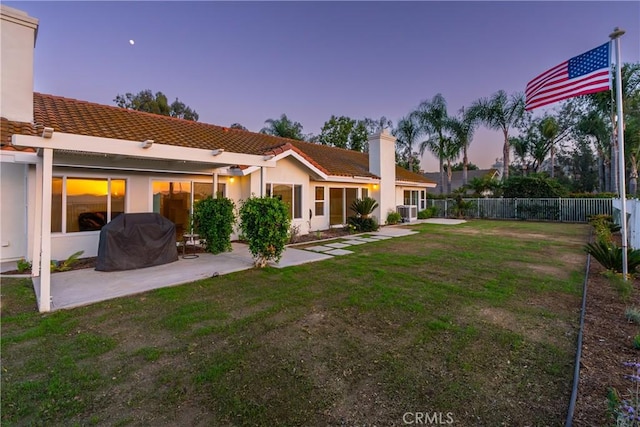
(615, 37)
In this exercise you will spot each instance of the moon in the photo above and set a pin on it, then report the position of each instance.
(132, 42)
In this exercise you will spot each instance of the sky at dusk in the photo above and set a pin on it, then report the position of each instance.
(246, 62)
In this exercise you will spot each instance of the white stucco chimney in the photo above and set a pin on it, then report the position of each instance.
(382, 162)
(18, 34)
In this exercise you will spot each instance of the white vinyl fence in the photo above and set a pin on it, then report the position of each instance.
(633, 220)
(557, 210)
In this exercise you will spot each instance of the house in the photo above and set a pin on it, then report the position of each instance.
(456, 178)
(68, 167)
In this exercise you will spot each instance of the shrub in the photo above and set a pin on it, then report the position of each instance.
(625, 408)
(603, 226)
(636, 342)
(23, 265)
(633, 314)
(363, 224)
(364, 207)
(609, 256)
(532, 186)
(213, 220)
(427, 213)
(394, 218)
(460, 206)
(265, 223)
(67, 263)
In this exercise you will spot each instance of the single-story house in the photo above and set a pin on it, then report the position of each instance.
(457, 181)
(68, 167)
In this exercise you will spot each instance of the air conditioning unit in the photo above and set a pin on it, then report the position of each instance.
(407, 212)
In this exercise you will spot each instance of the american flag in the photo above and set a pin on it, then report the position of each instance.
(580, 75)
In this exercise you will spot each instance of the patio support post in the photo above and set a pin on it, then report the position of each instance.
(262, 179)
(37, 222)
(215, 185)
(44, 304)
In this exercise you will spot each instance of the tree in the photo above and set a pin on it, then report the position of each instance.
(500, 112)
(407, 134)
(343, 132)
(284, 128)
(462, 128)
(434, 121)
(549, 130)
(377, 125)
(146, 101)
(459, 166)
(238, 126)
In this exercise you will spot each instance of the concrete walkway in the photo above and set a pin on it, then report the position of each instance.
(86, 286)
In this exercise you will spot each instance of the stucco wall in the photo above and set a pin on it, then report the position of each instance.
(13, 218)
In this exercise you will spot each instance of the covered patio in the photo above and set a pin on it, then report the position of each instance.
(82, 153)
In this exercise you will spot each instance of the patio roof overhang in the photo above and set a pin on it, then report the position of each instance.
(62, 149)
(65, 144)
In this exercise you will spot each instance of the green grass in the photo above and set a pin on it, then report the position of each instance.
(478, 320)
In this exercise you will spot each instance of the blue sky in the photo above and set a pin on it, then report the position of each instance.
(249, 61)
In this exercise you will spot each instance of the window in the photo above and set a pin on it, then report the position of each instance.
(423, 200)
(290, 194)
(85, 204)
(411, 197)
(319, 201)
(365, 193)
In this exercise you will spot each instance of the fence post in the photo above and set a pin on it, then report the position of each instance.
(478, 204)
(560, 207)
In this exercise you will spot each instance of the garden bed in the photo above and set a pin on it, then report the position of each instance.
(607, 344)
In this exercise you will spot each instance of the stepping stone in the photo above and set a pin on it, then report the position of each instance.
(380, 237)
(339, 252)
(319, 248)
(355, 242)
(369, 239)
(338, 245)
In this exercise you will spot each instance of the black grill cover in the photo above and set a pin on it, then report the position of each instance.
(136, 240)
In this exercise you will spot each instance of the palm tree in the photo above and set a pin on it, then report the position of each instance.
(500, 112)
(452, 149)
(283, 127)
(407, 133)
(593, 125)
(549, 131)
(434, 121)
(521, 150)
(463, 128)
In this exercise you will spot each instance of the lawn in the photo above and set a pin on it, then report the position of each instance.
(474, 324)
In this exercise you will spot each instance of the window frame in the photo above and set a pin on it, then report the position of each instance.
(64, 201)
(296, 202)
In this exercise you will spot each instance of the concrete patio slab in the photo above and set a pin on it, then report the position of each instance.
(82, 287)
(339, 252)
(443, 221)
(338, 245)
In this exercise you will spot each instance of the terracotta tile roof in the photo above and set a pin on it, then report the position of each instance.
(8, 128)
(85, 118)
